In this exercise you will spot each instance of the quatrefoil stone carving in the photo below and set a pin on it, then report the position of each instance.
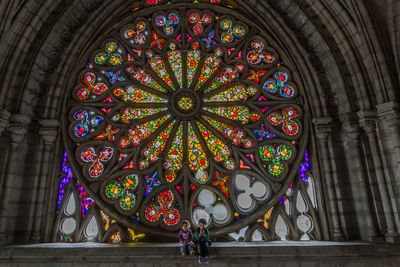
(249, 193)
(209, 210)
(136, 35)
(164, 209)
(89, 155)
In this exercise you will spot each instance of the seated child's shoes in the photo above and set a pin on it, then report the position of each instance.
(199, 260)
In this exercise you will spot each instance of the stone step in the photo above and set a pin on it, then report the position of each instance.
(277, 253)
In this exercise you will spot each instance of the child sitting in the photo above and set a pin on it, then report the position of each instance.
(202, 237)
(185, 239)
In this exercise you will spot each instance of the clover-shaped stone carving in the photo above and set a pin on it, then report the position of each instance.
(137, 34)
(86, 121)
(285, 119)
(208, 210)
(275, 157)
(168, 23)
(89, 155)
(124, 191)
(249, 193)
(109, 56)
(154, 212)
(278, 85)
(199, 22)
(230, 31)
(92, 88)
(257, 55)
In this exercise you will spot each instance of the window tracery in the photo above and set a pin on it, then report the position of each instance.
(187, 113)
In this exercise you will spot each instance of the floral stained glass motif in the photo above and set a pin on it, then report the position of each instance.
(175, 60)
(157, 64)
(175, 156)
(136, 95)
(231, 31)
(275, 157)
(234, 134)
(110, 56)
(92, 88)
(145, 79)
(85, 122)
(238, 92)
(195, 98)
(154, 149)
(220, 151)
(136, 35)
(235, 113)
(278, 85)
(141, 132)
(135, 114)
(124, 191)
(210, 66)
(289, 126)
(89, 155)
(197, 156)
(164, 209)
(227, 75)
(199, 22)
(193, 59)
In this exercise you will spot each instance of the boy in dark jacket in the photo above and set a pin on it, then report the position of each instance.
(202, 237)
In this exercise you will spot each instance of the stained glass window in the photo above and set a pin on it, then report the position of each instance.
(186, 112)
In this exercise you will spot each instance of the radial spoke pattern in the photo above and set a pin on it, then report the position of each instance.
(166, 116)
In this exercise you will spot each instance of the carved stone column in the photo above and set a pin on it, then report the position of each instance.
(359, 187)
(389, 129)
(4, 120)
(323, 128)
(368, 123)
(48, 131)
(19, 126)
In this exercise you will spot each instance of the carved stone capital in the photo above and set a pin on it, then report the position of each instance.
(367, 120)
(49, 131)
(19, 126)
(323, 127)
(350, 126)
(4, 120)
(389, 112)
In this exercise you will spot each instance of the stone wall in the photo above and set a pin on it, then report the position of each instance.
(346, 53)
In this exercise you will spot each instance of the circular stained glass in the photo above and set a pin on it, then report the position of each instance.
(185, 113)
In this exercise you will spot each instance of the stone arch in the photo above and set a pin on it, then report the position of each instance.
(325, 40)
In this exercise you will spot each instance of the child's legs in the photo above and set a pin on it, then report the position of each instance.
(183, 249)
(190, 248)
(203, 249)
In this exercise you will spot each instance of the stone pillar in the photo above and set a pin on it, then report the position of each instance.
(368, 123)
(323, 128)
(48, 131)
(358, 180)
(389, 129)
(4, 120)
(18, 128)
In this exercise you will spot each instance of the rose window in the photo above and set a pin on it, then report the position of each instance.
(185, 114)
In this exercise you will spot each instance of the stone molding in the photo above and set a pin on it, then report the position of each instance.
(390, 113)
(49, 130)
(323, 127)
(367, 120)
(19, 127)
(4, 120)
(350, 126)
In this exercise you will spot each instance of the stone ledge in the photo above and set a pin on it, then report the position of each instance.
(278, 253)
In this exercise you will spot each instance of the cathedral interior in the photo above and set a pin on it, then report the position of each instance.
(276, 122)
